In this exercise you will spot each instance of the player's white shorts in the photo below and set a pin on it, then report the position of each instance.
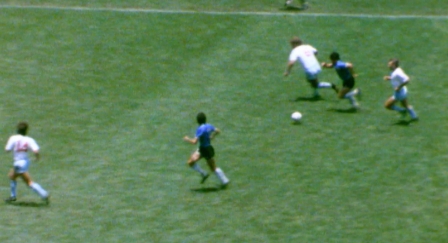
(311, 75)
(21, 166)
(401, 94)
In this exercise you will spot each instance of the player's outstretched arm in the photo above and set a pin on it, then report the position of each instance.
(288, 68)
(191, 140)
(327, 65)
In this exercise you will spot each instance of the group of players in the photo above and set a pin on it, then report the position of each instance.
(306, 55)
(20, 143)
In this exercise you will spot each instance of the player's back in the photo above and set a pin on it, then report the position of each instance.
(203, 133)
(20, 145)
(306, 55)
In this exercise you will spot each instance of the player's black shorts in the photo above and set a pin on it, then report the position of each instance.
(349, 83)
(207, 152)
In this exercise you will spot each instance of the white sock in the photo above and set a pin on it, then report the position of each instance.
(222, 177)
(412, 112)
(197, 168)
(352, 93)
(351, 97)
(324, 85)
(13, 188)
(39, 190)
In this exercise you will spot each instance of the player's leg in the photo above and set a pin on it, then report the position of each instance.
(13, 185)
(194, 157)
(315, 84)
(218, 171)
(410, 109)
(347, 92)
(390, 105)
(34, 186)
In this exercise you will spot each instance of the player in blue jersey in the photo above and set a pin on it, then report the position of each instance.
(345, 72)
(204, 134)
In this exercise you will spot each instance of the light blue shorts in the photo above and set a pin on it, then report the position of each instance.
(400, 95)
(21, 166)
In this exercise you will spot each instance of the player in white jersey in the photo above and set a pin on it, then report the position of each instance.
(20, 144)
(306, 55)
(399, 80)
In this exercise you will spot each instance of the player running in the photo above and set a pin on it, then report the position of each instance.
(204, 134)
(347, 74)
(399, 81)
(20, 144)
(306, 55)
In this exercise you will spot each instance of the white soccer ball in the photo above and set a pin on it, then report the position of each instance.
(296, 116)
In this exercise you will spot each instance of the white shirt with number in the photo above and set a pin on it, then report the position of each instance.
(20, 145)
(306, 55)
(398, 77)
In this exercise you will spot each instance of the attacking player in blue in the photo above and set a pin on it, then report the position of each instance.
(204, 134)
(346, 72)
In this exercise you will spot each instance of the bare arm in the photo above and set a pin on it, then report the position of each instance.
(402, 85)
(215, 133)
(288, 68)
(351, 69)
(191, 140)
(36, 155)
(327, 65)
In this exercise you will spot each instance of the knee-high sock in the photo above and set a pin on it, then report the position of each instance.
(197, 168)
(13, 185)
(222, 177)
(39, 190)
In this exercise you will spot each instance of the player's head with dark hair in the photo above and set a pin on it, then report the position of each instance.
(22, 128)
(334, 56)
(201, 118)
(295, 41)
(393, 63)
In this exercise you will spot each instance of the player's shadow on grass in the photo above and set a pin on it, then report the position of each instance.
(402, 123)
(207, 189)
(28, 204)
(309, 99)
(346, 111)
(294, 8)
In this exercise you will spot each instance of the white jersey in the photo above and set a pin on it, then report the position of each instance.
(20, 145)
(306, 55)
(398, 77)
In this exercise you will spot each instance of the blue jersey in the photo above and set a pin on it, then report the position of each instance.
(203, 134)
(342, 70)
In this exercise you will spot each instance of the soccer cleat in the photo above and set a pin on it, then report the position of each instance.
(333, 86)
(359, 94)
(403, 113)
(46, 200)
(204, 178)
(415, 119)
(11, 199)
(224, 186)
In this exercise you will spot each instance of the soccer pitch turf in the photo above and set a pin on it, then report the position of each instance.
(111, 87)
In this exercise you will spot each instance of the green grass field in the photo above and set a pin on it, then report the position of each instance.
(109, 94)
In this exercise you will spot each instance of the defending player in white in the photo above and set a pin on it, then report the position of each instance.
(306, 55)
(19, 144)
(399, 80)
